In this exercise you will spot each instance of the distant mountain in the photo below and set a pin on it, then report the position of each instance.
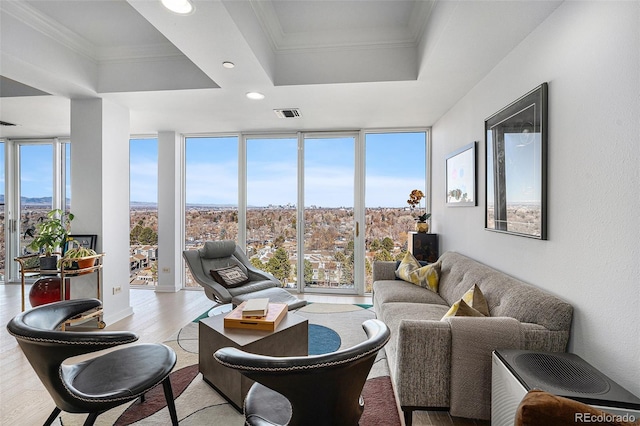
(40, 201)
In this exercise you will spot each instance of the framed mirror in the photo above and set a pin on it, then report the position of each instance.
(516, 166)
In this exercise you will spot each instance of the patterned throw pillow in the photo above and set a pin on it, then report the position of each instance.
(475, 299)
(461, 309)
(231, 276)
(425, 276)
(408, 264)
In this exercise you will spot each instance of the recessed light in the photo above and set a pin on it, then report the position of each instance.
(182, 7)
(256, 96)
(228, 64)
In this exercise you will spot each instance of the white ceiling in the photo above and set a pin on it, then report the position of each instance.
(344, 64)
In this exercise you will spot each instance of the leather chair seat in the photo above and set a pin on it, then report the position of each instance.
(265, 405)
(122, 374)
(93, 384)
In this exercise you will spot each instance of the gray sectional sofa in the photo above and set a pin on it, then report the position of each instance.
(446, 364)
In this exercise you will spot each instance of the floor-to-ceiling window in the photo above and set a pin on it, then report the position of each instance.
(36, 188)
(329, 223)
(271, 212)
(37, 179)
(143, 211)
(395, 164)
(313, 209)
(211, 192)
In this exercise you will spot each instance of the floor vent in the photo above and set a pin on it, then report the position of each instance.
(288, 113)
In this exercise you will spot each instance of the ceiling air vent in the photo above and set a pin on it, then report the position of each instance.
(5, 123)
(288, 113)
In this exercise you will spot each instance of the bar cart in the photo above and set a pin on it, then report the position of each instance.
(30, 268)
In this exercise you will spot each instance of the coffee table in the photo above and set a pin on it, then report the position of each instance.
(290, 338)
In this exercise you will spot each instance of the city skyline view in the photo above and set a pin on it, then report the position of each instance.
(211, 167)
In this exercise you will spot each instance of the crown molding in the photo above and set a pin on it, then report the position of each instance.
(141, 52)
(378, 38)
(48, 27)
(71, 40)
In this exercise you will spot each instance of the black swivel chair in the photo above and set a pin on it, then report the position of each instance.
(98, 384)
(220, 254)
(308, 390)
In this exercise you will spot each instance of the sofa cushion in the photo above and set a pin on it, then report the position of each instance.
(403, 291)
(425, 276)
(230, 276)
(461, 309)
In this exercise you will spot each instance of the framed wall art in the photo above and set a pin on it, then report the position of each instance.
(461, 176)
(516, 166)
(87, 241)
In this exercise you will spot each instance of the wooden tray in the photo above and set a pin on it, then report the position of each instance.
(277, 312)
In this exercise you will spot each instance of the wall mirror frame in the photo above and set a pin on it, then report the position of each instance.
(461, 176)
(516, 166)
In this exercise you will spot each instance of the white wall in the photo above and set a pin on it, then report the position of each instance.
(100, 197)
(589, 53)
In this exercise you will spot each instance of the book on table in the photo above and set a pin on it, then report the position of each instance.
(256, 308)
(276, 312)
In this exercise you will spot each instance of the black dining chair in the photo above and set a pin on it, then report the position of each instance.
(308, 390)
(97, 384)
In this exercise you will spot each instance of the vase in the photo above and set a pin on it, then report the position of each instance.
(47, 290)
(422, 227)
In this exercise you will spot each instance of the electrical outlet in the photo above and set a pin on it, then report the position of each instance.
(166, 270)
(117, 290)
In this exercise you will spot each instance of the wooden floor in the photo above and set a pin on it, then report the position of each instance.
(23, 399)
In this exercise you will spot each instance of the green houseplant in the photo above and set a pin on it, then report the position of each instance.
(52, 232)
(75, 256)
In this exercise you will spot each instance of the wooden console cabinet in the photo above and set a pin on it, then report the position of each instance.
(424, 246)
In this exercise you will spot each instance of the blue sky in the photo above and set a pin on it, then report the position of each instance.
(212, 170)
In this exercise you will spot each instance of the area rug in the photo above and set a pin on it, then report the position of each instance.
(332, 327)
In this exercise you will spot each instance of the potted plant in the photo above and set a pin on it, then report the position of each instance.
(421, 220)
(75, 256)
(52, 232)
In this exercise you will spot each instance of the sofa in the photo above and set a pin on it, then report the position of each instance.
(441, 363)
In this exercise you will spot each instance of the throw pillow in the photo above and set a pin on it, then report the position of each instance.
(425, 276)
(408, 264)
(461, 309)
(231, 276)
(475, 299)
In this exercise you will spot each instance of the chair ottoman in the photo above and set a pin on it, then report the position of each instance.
(274, 294)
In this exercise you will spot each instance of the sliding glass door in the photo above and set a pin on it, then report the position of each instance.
(211, 192)
(38, 179)
(313, 209)
(394, 167)
(329, 220)
(271, 214)
(143, 212)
